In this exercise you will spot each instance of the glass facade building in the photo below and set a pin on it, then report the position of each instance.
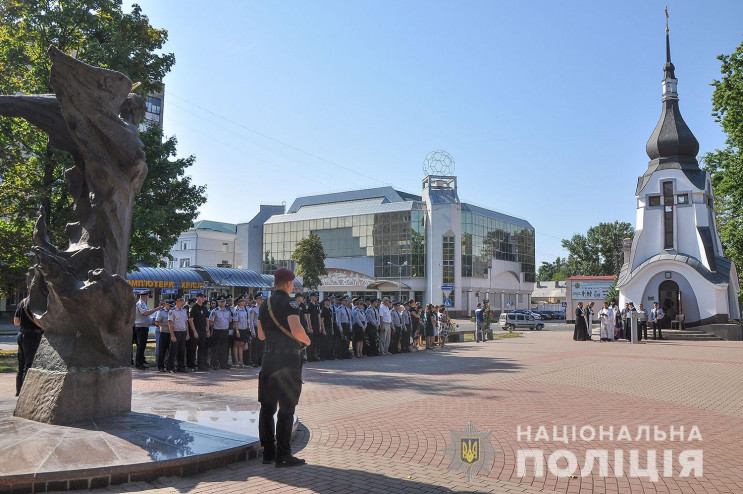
(394, 239)
(486, 237)
(384, 241)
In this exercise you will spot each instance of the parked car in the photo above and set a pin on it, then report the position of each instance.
(535, 315)
(546, 314)
(559, 314)
(518, 320)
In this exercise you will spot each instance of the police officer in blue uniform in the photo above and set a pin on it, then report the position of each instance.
(280, 378)
(343, 317)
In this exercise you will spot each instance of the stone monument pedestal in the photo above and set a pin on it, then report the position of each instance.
(61, 397)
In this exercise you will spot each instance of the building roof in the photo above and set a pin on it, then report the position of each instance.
(371, 201)
(588, 278)
(176, 276)
(385, 194)
(549, 292)
(722, 275)
(340, 209)
(672, 145)
(495, 215)
(215, 226)
(235, 277)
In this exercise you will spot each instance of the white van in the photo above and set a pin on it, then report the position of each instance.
(516, 320)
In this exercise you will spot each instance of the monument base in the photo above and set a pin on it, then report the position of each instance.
(57, 397)
(167, 433)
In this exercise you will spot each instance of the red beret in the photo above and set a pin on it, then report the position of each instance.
(282, 275)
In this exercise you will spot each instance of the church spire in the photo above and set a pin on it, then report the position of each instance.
(672, 144)
(669, 80)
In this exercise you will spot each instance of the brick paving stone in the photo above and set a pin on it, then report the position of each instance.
(381, 424)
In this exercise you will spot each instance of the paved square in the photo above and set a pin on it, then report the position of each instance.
(382, 424)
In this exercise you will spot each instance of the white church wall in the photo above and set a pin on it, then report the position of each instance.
(711, 299)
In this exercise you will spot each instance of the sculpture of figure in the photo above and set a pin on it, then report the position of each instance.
(80, 296)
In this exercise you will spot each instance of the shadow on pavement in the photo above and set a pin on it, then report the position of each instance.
(316, 478)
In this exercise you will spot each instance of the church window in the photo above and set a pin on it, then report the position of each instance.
(682, 199)
(668, 215)
(654, 201)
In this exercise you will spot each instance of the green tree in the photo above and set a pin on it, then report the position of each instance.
(309, 255)
(599, 252)
(553, 271)
(167, 203)
(726, 165)
(100, 33)
(612, 293)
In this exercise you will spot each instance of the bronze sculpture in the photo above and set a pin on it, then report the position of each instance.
(80, 296)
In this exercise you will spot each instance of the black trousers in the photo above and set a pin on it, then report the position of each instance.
(656, 325)
(196, 352)
(372, 348)
(329, 343)
(405, 340)
(162, 349)
(256, 350)
(395, 339)
(142, 332)
(642, 330)
(279, 384)
(177, 349)
(219, 350)
(344, 338)
(191, 345)
(28, 343)
(320, 339)
(312, 350)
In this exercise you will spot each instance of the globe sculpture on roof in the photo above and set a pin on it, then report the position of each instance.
(438, 163)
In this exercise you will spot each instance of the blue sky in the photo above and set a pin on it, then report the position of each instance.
(545, 106)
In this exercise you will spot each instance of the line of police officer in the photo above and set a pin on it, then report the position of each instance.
(371, 326)
(198, 337)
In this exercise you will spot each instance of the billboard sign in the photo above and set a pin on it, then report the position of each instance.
(589, 289)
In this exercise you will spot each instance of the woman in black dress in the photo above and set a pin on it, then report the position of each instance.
(430, 319)
(580, 333)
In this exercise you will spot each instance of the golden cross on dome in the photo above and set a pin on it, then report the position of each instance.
(666, 19)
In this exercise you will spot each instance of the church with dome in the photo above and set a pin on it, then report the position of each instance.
(675, 257)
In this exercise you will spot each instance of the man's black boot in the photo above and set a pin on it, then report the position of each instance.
(289, 461)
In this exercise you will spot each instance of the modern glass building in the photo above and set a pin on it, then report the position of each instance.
(432, 247)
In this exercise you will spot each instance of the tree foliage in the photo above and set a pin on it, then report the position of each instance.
(597, 253)
(726, 165)
(167, 203)
(553, 271)
(309, 255)
(100, 33)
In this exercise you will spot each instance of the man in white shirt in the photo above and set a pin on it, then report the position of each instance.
(386, 318)
(142, 327)
(655, 317)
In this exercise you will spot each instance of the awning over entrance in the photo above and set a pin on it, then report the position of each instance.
(166, 278)
(235, 277)
(387, 284)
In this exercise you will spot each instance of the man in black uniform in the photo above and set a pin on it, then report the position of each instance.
(326, 324)
(316, 335)
(198, 317)
(304, 320)
(29, 339)
(280, 378)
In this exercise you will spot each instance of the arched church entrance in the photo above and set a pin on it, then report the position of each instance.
(669, 297)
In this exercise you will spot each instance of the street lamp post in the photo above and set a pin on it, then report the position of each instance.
(399, 277)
